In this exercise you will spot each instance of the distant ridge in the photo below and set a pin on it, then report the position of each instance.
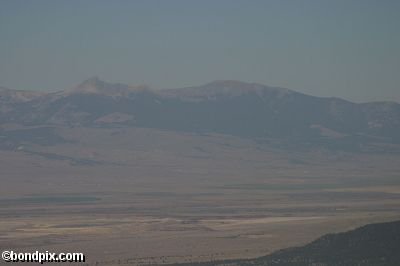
(94, 85)
(230, 107)
(228, 88)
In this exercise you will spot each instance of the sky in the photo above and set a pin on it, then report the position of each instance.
(340, 48)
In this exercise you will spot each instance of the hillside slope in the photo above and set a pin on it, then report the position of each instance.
(370, 245)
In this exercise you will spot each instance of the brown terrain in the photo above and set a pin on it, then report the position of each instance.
(128, 196)
(132, 176)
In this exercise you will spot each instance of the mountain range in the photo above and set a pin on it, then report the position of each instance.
(235, 108)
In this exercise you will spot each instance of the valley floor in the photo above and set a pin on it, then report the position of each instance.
(133, 196)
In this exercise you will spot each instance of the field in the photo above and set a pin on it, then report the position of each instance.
(127, 196)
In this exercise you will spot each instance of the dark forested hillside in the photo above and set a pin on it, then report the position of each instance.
(370, 245)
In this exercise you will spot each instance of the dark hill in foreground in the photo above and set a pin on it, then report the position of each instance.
(370, 245)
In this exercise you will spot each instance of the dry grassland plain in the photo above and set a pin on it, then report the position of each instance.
(132, 196)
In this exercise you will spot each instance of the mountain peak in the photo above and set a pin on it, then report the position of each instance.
(93, 84)
(92, 81)
(229, 83)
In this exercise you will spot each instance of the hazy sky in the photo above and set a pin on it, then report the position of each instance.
(339, 48)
